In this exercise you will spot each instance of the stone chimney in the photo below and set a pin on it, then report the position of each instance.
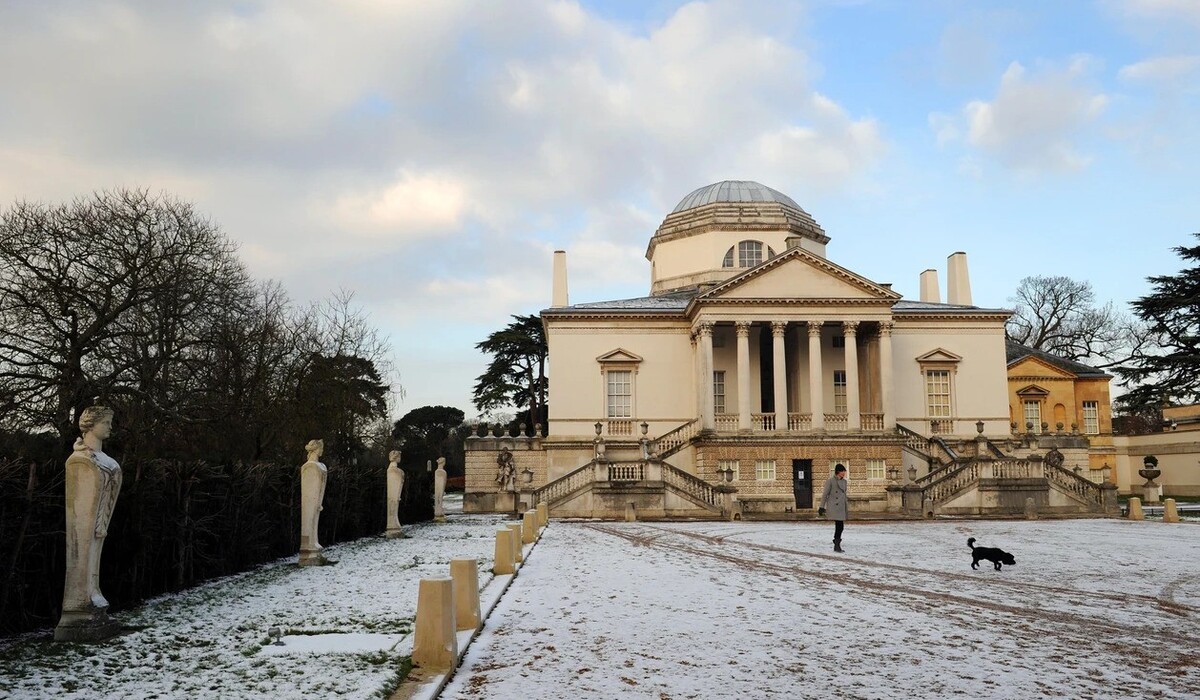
(958, 282)
(560, 279)
(930, 291)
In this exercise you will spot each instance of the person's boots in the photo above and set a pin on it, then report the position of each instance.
(837, 546)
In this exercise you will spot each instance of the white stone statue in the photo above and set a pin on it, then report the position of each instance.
(505, 469)
(395, 485)
(313, 475)
(439, 490)
(93, 480)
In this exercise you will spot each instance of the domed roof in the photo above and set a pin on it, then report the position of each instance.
(733, 191)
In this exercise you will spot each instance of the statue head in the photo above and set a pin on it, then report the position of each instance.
(441, 462)
(315, 448)
(394, 456)
(96, 420)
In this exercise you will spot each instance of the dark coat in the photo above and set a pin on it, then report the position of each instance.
(835, 500)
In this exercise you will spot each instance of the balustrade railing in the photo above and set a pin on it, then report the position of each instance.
(674, 441)
(564, 485)
(799, 421)
(687, 483)
(836, 421)
(941, 426)
(619, 426)
(725, 421)
(627, 472)
(762, 421)
(871, 421)
(1084, 488)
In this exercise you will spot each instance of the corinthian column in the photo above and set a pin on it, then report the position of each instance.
(815, 392)
(706, 376)
(853, 417)
(778, 329)
(885, 374)
(743, 371)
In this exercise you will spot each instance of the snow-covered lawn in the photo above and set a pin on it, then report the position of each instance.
(212, 641)
(1092, 609)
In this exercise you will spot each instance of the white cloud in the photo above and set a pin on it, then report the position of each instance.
(1161, 69)
(1034, 122)
(413, 204)
(1170, 10)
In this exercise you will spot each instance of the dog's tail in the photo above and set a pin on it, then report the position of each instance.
(971, 542)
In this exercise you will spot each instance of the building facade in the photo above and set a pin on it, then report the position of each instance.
(758, 362)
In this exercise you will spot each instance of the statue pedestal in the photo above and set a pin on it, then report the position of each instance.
(86, 626)
(313, 557)
(394, 534)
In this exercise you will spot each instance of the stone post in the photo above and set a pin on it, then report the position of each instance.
(518, 554)
(543, 512)
(1135, 509)
(1170, 512)
(435, 642)
(465, 574)
(395, 484)
(504, 562)
(1031, 509)
(439, 491)
(93, 481)
(630, 513)
(313, 476)
(529, 527)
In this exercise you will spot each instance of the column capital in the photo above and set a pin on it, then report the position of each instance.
(850, 327)
(704, 328)
(885, 327)
(743, 328)
(814, 328)
(778, 328)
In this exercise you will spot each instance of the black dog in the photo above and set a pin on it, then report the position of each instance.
(993, 554)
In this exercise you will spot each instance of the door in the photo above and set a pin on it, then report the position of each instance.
(802, 483)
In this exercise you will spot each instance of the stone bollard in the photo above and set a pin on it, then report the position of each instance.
(543, 515)
(630, 513)
(465, 574)
(504, 561)
(927, 508)
(529, 527)
(1135, 509)
(1031, 509)
(1170, 512)
(518, 555)
(435, 639)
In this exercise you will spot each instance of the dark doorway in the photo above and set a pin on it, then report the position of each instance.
(802, 483)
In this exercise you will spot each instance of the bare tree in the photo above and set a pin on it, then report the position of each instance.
(1059, 315)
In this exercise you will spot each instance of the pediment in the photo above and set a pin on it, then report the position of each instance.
(939, 355)
(1030, 366)
(619, 355)
(799, 274)
(1033, 390)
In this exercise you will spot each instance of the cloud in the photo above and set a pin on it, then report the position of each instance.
(1161, 69)
(413, 204)
(1033, 123)
(1170, 10)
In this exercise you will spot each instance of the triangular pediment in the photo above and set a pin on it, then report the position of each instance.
(799, 274)
(939, 355)
(1033, 390)
(1030, 366)
(619, 355)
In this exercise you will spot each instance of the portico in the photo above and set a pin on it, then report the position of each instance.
(803, 375)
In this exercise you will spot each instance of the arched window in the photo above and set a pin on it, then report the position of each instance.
(728, 261)
(750, 253)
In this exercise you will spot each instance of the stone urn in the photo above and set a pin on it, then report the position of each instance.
(1150, 472)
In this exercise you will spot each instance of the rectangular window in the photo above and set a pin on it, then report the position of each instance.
(876, 469)
(839, 391)
(719, 391)
(937, 392)
(764, 470)
(1091, 417)
(1033, 413)
(620, 394)
(723, 464)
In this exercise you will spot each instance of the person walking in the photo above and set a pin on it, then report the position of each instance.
(834, 501)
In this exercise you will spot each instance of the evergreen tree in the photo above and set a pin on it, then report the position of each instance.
(1167, 371)
(517, 373)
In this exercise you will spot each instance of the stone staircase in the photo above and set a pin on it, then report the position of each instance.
(608, 489)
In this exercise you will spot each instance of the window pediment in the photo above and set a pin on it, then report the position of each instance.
(1033, 391)
(939, 356)
(619, 355)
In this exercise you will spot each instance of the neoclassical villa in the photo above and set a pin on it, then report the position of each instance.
(754, 366)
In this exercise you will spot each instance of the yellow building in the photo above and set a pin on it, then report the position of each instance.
(1050, 394)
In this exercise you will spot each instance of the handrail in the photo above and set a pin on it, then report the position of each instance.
(1086, 489)
(941, 442)
(563, 485)
(697, 487)
(914, 440)
(951, 483)
(675, 440)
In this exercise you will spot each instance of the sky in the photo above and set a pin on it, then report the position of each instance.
(430, 156)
